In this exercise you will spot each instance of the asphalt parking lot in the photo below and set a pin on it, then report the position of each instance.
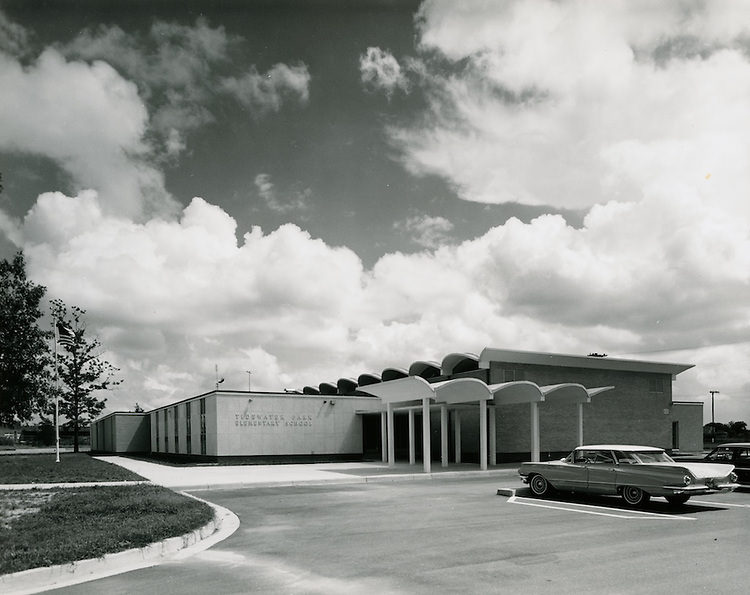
(456, 535)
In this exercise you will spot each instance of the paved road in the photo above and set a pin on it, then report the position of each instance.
(448, 536)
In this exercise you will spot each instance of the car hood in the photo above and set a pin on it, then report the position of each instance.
(700, 470)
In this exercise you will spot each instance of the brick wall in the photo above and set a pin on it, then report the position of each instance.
(632, 413)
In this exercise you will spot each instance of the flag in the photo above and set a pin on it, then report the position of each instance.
(65, 336)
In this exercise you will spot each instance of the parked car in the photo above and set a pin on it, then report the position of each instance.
(733, 453)
(634, 472)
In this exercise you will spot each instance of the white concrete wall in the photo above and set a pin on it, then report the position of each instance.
(256, 424)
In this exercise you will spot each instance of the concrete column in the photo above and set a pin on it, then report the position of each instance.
(391, 437)
(412, 445)
(493, 435)
(483, 434)
(444, 435)
(535, 432)
(426, 452)
(580, 424)
(457, 434)
(384, 436)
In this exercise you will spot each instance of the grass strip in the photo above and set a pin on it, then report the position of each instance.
(80, 523)
(72, 468)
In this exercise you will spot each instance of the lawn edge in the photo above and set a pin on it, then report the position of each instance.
(35, 580)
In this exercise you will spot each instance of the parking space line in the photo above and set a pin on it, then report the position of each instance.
(722, 504)
(630, 514)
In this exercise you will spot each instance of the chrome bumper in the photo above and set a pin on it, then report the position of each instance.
(702, 489)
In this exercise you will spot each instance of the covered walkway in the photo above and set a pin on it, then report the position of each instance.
(415, 394)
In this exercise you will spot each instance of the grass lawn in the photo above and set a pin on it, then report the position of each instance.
(43, 527)
(47, 527)
(72, 468)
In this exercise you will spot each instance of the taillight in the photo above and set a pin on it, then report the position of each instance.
(732, 477)
(687, 480)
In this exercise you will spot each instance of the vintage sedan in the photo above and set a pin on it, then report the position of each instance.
(634, 472)
(733, 453)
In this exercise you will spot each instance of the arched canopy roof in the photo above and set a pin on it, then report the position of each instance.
(595, 391)
(568, 392)
(346, 386)
(520, 391)
(470, 390)
(327, 388)
(455, 363)
(461, 390)
(310, 390)
(393, 374)
(425, 369)
(401, 390)
(367, 378)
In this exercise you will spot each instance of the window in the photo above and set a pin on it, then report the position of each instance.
(188, 429)
(203, 426)
(166, 431)
(656, 385)
(157, 431)
(720, 455)
(176, 429)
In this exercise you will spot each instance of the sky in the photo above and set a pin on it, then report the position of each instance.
(313, 190)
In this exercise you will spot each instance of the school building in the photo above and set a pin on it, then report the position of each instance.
(499, 406)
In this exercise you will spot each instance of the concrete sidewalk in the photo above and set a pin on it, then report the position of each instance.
(210, 477)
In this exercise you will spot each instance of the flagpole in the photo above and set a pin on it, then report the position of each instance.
(57, 399)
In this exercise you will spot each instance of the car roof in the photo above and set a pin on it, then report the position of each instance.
(740, 444)
(625, 447)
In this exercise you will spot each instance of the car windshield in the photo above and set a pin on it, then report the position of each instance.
(650, 456)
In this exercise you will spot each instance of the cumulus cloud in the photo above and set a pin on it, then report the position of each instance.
(570, 104)
(267, 92)
(89, 120)
(296, 201)
(174, 298)
(426, 231)
(14, 38)
(379, 70)
(173, 66)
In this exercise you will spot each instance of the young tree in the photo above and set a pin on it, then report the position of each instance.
(24, 350)
(81, 369)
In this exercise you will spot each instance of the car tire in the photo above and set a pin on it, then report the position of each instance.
(677, 500)
(634, 496)
(539, 486)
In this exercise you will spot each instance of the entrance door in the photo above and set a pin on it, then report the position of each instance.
(371, 443)
(675, 435)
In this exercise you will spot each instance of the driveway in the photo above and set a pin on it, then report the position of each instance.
(455, 535)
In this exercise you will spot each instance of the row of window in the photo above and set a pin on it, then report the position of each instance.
(175, 411)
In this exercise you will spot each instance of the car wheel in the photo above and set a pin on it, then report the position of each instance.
(678, 499)
(539, 486)
(634, 496)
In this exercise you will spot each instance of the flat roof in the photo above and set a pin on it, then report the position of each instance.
(511, 356)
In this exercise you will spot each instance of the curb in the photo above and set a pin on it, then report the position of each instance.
(36, 580)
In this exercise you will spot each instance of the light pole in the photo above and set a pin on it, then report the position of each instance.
(249, 381)
(713, 419)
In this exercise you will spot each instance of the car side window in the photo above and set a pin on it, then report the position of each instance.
(582, 456)
(624, 458)
(744, 455)
(603, 457)
(720, 454)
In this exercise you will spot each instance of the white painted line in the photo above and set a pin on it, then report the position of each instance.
(721, 503)
(630, 514)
